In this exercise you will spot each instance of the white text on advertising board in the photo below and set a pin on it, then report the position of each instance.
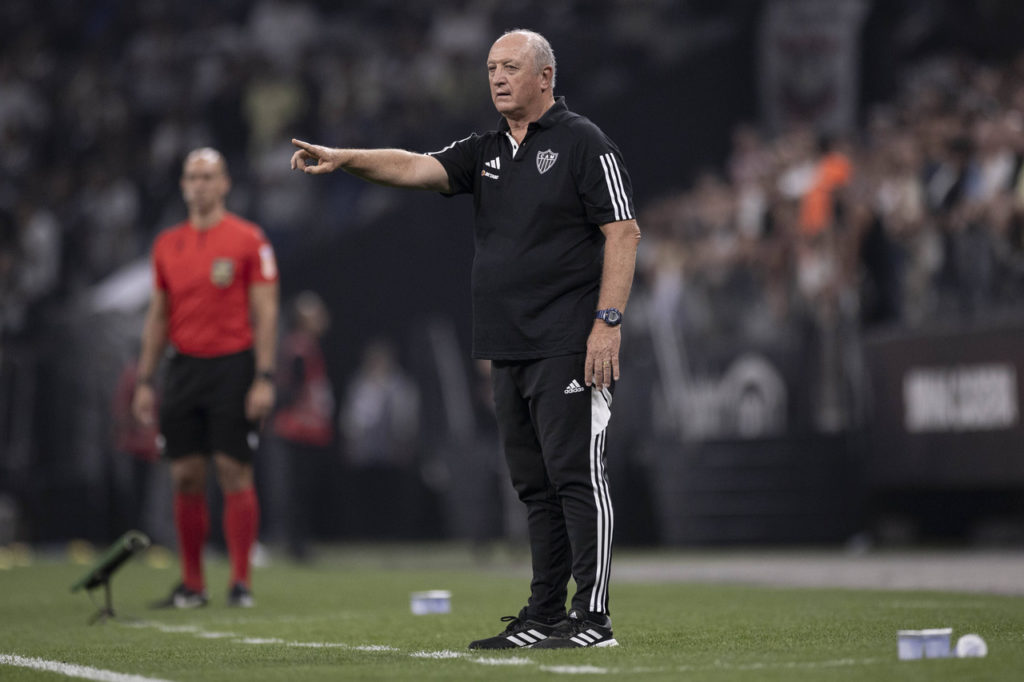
(960, 398)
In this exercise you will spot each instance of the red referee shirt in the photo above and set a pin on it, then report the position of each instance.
(206, 275)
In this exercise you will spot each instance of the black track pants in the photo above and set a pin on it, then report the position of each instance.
(553, 429)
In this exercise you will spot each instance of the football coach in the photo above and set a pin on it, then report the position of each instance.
(555, 250)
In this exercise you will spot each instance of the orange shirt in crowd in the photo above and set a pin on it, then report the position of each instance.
(816, 207)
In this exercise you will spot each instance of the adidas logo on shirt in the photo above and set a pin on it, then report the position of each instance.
(573, 387)
(494, 164)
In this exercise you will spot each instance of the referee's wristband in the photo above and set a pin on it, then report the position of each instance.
(266, 375)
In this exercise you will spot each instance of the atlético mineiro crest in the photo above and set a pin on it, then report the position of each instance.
(545, 160)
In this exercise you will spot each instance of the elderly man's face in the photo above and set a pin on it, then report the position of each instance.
(516, 84)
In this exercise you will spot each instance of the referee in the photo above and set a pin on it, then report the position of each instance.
(215, 298)
(555, 247)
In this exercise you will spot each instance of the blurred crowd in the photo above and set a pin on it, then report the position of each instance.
(918, 213)
(916, 218)
(100, 101)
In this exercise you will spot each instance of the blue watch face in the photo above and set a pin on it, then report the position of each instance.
(612, 316)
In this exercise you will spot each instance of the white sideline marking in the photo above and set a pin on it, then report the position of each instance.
(780, 665)
(71, 670)
(575, 669)
(261, 640)
(318, 645)
(717, 665)
(502, 661)
(839, 663)
(177, 628)
(447, 653)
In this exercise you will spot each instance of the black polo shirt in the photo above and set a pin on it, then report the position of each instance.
(539, 249)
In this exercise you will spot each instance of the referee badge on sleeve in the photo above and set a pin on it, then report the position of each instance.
(222, 272)
(268, 266)
(545, 160)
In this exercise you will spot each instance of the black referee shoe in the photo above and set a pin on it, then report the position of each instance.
(182, 598)
(582, 629)
(521, 632)
(241, 596)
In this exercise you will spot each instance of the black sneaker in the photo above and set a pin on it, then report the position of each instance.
(182, 598)
(581, 629)
(521, 632)
(240, 596)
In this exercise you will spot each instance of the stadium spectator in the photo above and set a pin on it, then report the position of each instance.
(141, 497)
(380, 447)
(380, 415)
(552, 272)
(215, 300)
(302, 430)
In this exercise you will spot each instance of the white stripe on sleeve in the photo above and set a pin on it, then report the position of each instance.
(616, 188)
(617, 174)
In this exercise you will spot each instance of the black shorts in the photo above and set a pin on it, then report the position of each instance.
(203, 407)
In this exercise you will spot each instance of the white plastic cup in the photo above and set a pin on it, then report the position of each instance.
(937, 642)
(431, 601)
(910, 644)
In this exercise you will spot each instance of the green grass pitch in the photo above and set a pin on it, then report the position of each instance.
(347, 617)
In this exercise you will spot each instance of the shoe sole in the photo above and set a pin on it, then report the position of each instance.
(504, 646)
(598, 645)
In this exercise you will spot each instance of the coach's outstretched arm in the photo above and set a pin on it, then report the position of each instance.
(391, 167)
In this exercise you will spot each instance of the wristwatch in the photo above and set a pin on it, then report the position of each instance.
(611, 316)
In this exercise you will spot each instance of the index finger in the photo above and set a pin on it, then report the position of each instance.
(304, 145)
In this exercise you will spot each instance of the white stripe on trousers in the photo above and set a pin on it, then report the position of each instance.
(600, 415)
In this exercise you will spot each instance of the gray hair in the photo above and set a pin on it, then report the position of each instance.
(539, 46)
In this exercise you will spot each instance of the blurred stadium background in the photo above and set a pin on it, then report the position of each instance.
(826, 333)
